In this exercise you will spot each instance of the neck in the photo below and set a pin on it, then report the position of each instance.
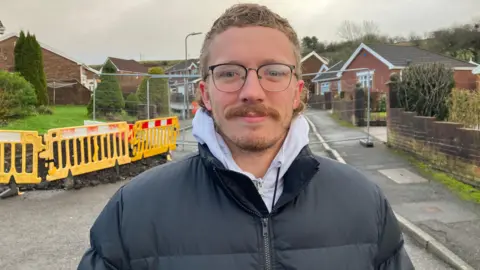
(256, 163)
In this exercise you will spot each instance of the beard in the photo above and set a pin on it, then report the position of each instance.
(251, 144)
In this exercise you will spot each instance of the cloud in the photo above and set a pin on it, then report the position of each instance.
(91, 30)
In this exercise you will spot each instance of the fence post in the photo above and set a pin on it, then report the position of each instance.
(368, 142)
(148, 98)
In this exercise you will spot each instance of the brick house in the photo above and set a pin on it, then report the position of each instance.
(311, 63)
(476, 71)
(382, 60)
(328, 79)
(129, 84)
(177, 85)
(59, 69)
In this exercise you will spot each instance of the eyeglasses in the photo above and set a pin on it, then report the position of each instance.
(232, 77)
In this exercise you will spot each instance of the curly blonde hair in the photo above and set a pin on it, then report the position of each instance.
(244, 15)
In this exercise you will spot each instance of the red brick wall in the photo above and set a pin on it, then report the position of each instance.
(59, 68)
(73, 95)
(365, 60)
(465, 79)
(129, 84)
(447, 146)
(311, 65)
(56, 67)
(334, 85)
(7, 60)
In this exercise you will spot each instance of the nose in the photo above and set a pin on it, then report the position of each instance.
(252, 91)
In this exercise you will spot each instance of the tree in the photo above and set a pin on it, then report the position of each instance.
(425, 89)
(108, 95)
(351, 31)
(29, 63)
(18, 51)
(310, 44)
(17, 96)
(131, 104)
(42, 93)
(158, 91)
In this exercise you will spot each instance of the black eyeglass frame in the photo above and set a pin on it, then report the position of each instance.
(212, 67)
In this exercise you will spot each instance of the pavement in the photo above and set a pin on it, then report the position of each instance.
(425, 204)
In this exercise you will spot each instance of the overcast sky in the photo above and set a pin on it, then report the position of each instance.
(91, 30)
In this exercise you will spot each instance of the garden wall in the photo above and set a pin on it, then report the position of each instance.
(446, 146)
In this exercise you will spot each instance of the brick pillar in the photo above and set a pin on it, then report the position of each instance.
(388, 107)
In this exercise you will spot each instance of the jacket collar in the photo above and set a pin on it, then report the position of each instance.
(241, 189)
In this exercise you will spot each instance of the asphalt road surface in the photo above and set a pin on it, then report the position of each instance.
(50, 229)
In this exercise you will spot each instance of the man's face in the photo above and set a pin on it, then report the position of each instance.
(252, 118)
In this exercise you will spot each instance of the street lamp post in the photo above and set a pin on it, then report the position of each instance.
(186, 113)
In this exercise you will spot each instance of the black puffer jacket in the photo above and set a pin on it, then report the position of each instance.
(195, 215)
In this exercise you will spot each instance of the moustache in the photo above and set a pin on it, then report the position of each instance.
(259, 110)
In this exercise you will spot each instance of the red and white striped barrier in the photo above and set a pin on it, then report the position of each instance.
(89, 131)
(157, 123)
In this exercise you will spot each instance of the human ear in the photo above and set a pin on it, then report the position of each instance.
(298, 93)
(205, 96)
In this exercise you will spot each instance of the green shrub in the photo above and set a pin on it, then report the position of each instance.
(44, 110)
(131, 104)
(108, 95)
(425, 89)
(17, 96)
(382, 106)
(464, 107)
(159, 93)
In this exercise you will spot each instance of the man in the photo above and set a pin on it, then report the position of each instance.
(254, 197)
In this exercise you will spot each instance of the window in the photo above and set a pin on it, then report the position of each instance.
(365, 78)
(339, 86)
(325, 87)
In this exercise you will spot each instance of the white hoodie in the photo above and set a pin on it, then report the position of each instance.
(204, 132)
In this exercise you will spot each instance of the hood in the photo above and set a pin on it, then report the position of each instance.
(204, 132)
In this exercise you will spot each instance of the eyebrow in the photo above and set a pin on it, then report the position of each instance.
(263, 62)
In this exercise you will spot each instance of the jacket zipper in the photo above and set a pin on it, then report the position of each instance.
(266, 244)
(265, 232)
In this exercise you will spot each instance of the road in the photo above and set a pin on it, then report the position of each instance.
(50, 229)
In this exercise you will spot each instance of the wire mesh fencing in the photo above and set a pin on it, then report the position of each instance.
(349, 98)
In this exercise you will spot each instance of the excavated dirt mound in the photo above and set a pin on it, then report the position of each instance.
(105, 176)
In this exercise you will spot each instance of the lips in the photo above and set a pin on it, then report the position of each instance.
(254, 114)
(252, 111)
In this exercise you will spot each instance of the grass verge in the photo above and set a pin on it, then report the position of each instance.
(62, 116)
(464, 191)
(340, 121)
